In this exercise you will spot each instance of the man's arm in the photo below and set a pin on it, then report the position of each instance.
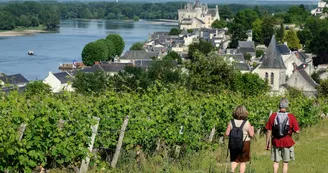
(268, 139)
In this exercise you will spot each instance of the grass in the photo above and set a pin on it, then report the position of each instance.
(311, 153)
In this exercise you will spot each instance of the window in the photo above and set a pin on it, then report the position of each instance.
(272, 78)
(266, 76)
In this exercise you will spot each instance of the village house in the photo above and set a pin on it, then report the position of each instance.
(301, 80)
(298, 59)
(247, 47)
(110, 69)
(197, 15)
(59, 81)
(13, 80)
(273, 69)
(133, 55)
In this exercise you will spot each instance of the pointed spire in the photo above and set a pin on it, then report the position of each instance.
(197, 4)
(272, 57)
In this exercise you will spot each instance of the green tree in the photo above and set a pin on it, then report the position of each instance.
(131, 79)
(175, 31)
(7, 21)
(305, 36)
(37, 88)
(174, 56)
(137, 46)
(267, 29)
(34, 21)
(316, 77)
(238, 34)
(219, 24)
(203, 47)
(280, 33)
(259, 53)
(24, 21)
(248, 56)
(246, 18)
(118, 42)
(210, 74)
(94, 51)
(292, 40)
(250, 85)
(111, 48)
(165, 71)
(90, 83)
(190, 30)
(49, 17)
(257, 31)
(136, 18)
(225, 12)
(323, 88)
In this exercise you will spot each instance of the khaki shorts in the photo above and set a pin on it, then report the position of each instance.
(285, 154)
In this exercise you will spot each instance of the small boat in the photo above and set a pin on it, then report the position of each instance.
(30, 52)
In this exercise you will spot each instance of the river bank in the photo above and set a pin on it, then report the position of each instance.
(23, 31)
(20, 33)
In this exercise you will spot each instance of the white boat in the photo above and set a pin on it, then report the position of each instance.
(30, 52)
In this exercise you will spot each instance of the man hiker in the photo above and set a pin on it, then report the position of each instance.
(279, 128)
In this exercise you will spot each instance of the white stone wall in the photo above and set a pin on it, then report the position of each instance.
(297, 81)
(56, 85)
(279, 77)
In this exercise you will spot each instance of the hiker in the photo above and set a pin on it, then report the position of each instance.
(239, 131)
(279, 128)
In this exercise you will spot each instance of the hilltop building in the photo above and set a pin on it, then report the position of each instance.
(319, 9)
(197, 15)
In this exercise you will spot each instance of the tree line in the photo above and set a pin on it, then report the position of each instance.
(28, 14)
(31, 14)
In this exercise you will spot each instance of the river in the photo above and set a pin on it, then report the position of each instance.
(66, 44)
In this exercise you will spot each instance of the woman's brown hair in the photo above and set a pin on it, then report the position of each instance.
(240, 113)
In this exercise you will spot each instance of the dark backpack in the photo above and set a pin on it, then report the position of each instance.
(281, 129)
(236, 135)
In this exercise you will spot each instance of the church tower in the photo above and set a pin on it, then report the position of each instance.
(272, 68)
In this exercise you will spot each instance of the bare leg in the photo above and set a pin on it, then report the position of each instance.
(285, 168)
(242, 167)
(233, 166)
(275, 167)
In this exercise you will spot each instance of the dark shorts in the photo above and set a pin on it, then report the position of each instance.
(243, 156)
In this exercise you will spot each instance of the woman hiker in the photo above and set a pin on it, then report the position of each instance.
(241, 125)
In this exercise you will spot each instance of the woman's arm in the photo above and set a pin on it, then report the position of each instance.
(250, 130)
(227, 132)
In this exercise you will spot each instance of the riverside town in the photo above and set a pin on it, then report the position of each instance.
(181, 87)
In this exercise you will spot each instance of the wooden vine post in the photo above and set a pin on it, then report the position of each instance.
(120, 141)
(21, 131)
(210, 138)
(85, 162)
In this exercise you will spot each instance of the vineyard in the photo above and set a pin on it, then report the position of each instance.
(58, 126)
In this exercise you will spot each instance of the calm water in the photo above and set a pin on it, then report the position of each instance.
(65, 44)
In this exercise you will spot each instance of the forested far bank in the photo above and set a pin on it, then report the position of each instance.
(33, 14)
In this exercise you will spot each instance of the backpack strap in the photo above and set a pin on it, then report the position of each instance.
(243, 123)
(233, 123)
